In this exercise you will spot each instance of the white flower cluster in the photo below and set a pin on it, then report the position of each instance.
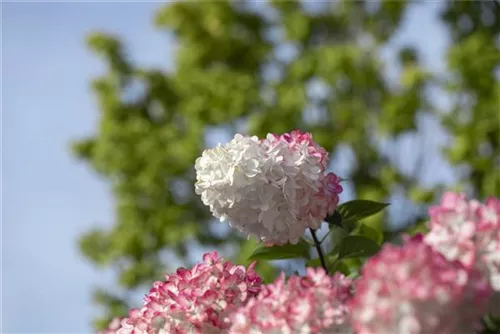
(272, 189)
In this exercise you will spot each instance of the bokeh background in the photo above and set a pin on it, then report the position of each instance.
(106, 105)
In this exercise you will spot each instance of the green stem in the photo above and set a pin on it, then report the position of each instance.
(317, 244)
(326, 235)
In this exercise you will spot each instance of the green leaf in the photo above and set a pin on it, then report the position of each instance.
(335, 219)
(357, 246)
(287, 251)
(370, 233)
(337, 235)
(491, 325)
(339, 266)
(348, 267)
(356, 210)
(316, 262)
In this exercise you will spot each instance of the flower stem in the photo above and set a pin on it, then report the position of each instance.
(317, 244)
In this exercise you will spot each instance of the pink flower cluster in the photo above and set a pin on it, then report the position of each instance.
(326, 198)
(469, 231)
(216, 297)
(410, 289)
(300, 141)
(415, 290)
(194, 301)
(316, 303)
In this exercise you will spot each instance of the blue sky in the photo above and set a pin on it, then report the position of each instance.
(48, 198)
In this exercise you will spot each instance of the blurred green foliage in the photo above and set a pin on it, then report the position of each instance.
(276, 66)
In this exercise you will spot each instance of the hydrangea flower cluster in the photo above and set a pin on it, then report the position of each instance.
(271, 189)
(414, 289)
(194, 301)
(316, 303)
(469, 231)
